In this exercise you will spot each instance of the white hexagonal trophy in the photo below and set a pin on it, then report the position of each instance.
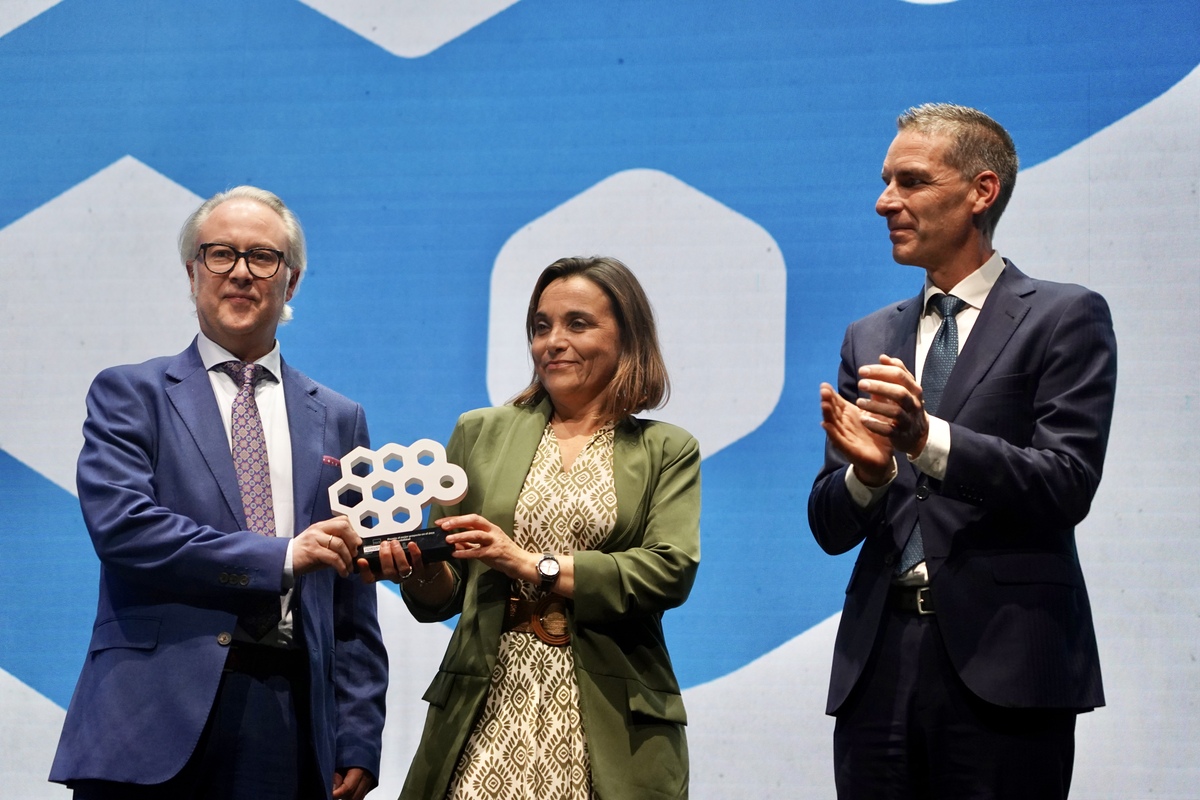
(384, 492)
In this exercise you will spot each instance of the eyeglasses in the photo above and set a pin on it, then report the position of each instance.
(220, 259)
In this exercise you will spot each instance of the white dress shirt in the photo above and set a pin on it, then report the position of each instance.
(272, 409)
(974, 290)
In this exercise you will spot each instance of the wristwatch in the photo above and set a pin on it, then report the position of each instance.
(548, 569)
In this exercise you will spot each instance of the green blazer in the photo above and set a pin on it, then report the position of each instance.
(630, 701)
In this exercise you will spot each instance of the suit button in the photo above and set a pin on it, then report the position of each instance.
(922, 492)
(245, 581)
(224, 577)
(224, 638)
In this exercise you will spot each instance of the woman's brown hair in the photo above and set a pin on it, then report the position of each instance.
(641, 380)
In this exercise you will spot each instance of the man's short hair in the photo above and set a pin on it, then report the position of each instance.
(979, 144)
(296, 255)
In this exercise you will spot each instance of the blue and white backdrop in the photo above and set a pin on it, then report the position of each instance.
(440, 152)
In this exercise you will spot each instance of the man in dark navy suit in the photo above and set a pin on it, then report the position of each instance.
(233, 656)
(965, 442)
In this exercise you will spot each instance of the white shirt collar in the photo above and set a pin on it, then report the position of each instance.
(212, 354)
(974, 288)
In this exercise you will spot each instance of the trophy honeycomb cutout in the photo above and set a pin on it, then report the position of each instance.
(385, 491)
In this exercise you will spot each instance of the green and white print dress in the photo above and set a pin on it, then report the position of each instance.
(529, 742)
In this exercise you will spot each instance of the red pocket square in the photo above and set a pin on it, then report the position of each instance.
(331, 461)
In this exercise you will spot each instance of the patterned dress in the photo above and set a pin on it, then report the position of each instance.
(529, 742)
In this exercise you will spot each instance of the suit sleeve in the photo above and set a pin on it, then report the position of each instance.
(658, 572)
(135, 531)
(360, 661)
(837, 522)
(1046, 471)
(457, 452)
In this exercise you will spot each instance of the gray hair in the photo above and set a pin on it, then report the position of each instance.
(296, 253)
(978, 144)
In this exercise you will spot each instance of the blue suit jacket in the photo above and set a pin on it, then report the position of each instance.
(1029, 404)
(161, 502)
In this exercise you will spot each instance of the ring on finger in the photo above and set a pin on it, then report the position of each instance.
(406, 575)
(330, 542)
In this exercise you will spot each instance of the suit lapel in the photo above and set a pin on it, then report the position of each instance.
(1002, 312)
(902, 344)
(902, 338)
(306, 428)
(518, 446)
(190, 393)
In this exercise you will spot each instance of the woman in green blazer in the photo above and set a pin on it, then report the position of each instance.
(580, 527)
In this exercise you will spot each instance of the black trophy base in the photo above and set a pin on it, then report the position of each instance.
(432, 542)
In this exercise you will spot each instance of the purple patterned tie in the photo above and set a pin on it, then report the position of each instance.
(943, 352)
(254, 476)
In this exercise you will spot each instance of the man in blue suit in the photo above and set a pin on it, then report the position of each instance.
(234, 655)
(965, 443)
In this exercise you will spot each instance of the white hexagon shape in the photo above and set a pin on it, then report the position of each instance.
(417, 475)
(344, 486)
(716, 279)
(409, 28)
(383, 490)
(403, 516)
(90, 279)
(362, 464)
(15, 13)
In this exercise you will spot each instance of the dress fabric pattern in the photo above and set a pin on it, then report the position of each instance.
(529, 742)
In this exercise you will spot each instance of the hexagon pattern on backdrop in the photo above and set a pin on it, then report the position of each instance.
(410, 28)
(14, 13)
(442, 152)
(108, 275)
(715, 278)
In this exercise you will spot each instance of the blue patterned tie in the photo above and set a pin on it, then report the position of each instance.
(254, 477)
(943, 352)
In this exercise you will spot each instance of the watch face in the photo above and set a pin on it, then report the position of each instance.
(548, 567)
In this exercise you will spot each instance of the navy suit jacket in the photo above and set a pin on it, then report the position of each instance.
(1029, 404)
(161, 502)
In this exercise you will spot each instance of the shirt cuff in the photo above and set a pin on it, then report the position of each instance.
(866, 496)
(932, 460)
(289, 579)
